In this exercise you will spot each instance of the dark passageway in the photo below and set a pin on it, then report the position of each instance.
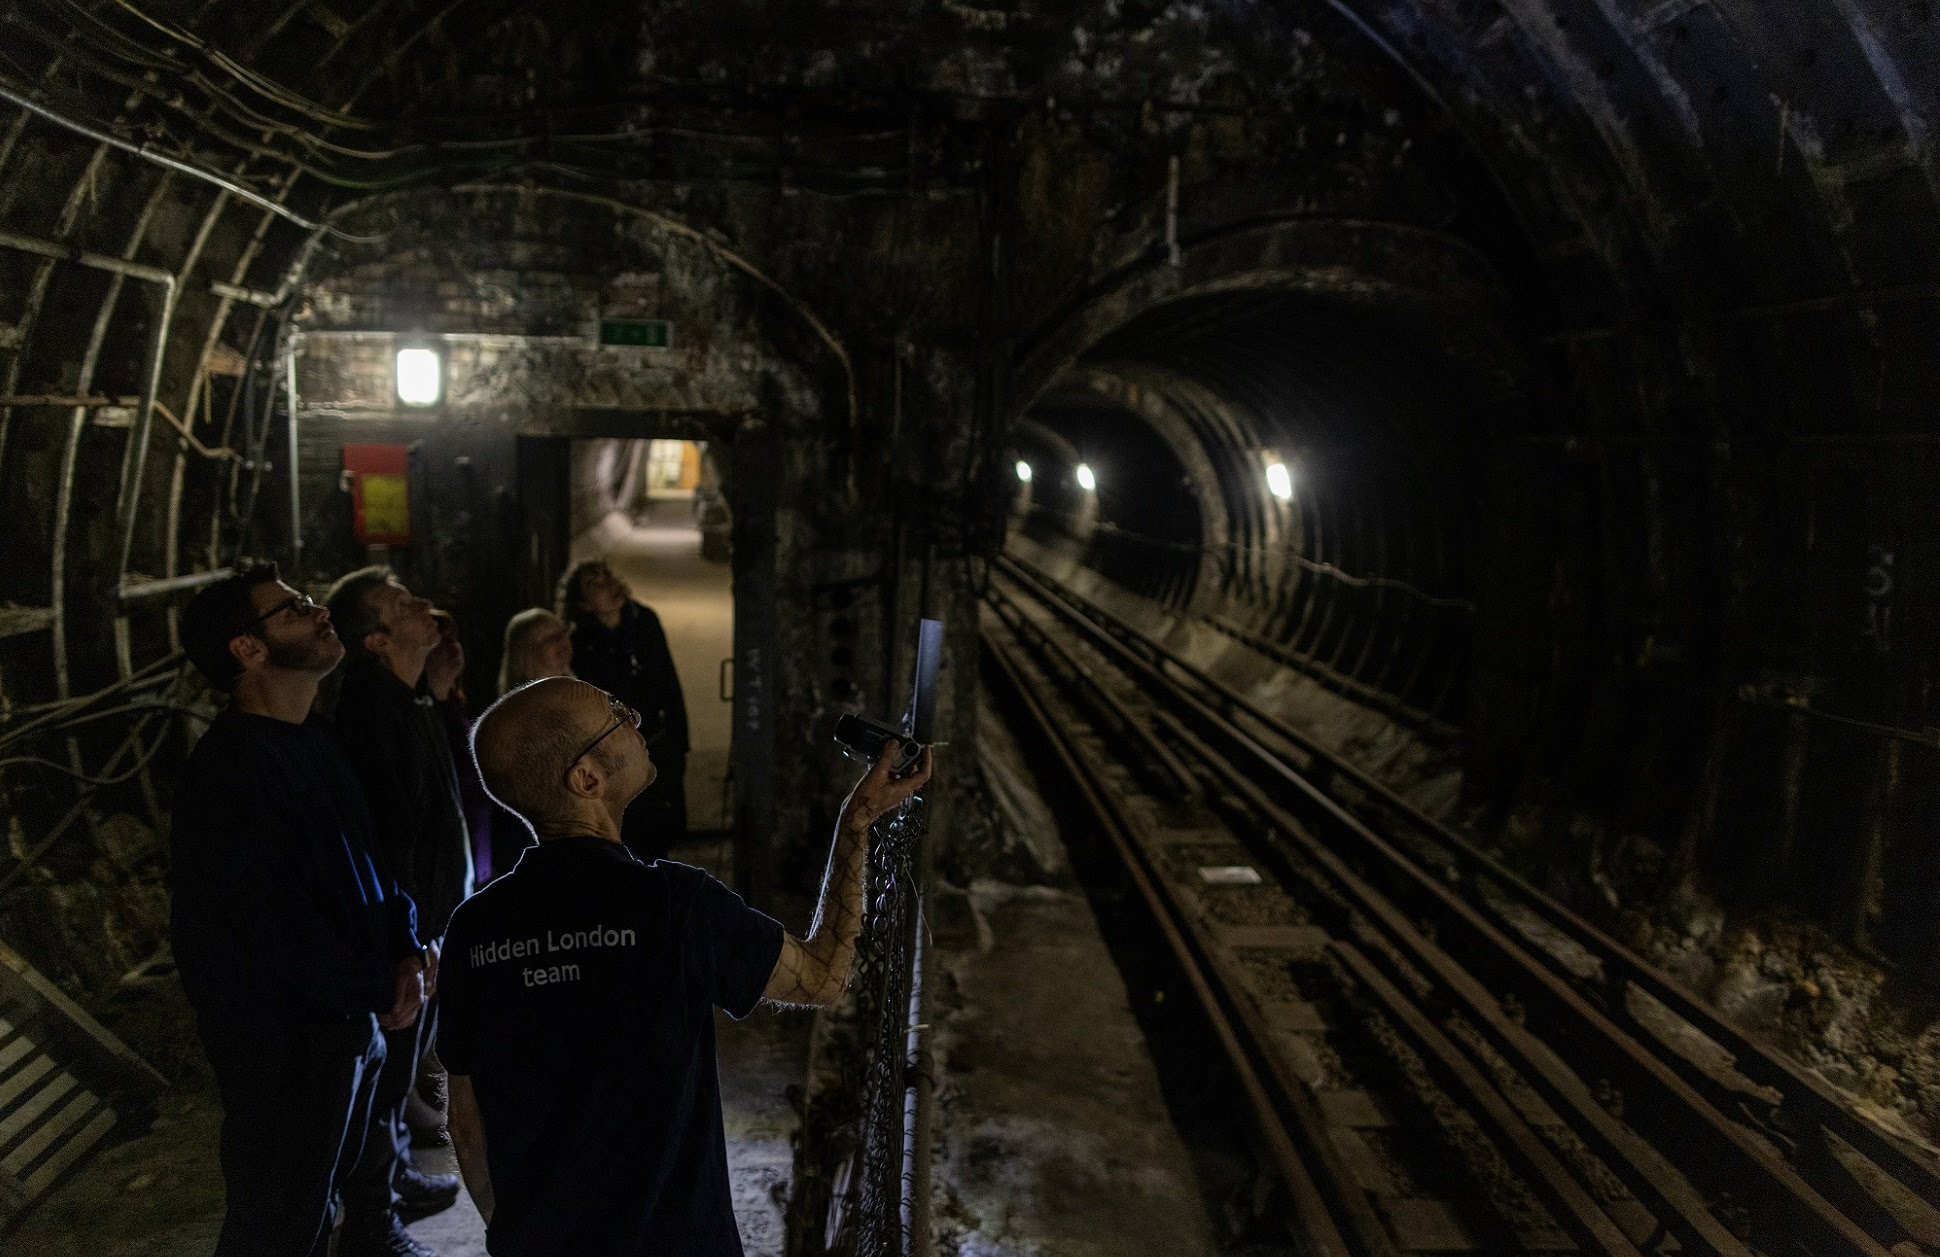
(1433, 506)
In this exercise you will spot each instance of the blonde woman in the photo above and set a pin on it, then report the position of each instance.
(537, 644)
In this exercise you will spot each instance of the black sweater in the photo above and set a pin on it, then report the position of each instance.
(396, 738)
(633, 662)
(279, 914)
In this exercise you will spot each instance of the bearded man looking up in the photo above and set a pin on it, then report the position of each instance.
(580, 991)
(295, 948)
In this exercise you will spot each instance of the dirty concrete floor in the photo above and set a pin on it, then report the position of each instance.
(1053, 1136)
(658, 553)
(161, 1195)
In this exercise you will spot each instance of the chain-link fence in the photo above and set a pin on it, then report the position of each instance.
(885, 969)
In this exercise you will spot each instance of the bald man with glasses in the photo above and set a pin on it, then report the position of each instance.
(579, 992)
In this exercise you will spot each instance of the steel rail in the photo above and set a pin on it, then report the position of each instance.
(1588, 1224)
(1322, 1235)
(1737, 1154)
(1814, 1102)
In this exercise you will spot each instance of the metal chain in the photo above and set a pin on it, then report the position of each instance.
(884, 953)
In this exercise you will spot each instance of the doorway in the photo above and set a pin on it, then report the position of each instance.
(653, 509)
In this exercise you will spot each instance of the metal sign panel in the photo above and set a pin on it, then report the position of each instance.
(637, 333)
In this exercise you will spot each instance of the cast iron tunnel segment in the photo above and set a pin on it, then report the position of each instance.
(1581, 1098)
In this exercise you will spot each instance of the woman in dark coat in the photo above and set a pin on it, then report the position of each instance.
(618, 645)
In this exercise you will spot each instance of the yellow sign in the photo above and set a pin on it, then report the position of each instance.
(387, 506)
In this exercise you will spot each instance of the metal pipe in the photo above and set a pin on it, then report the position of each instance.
(66, 401)
(99, 261)
(135, 590)
(153, 274)
(296, 480)
(253, 296)
(146, 153)
(1172, 256)
(918, 1110)
(37, 291)
(121, 268)
(199, 386)
(132, 468)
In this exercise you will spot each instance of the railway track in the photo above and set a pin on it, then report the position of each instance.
(1438, 1056)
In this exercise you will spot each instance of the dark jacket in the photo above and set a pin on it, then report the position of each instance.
(471, 790)
(633, 662)
(396, 738)
(279, 915)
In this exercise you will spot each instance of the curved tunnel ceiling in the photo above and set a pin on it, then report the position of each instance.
(1361, 573)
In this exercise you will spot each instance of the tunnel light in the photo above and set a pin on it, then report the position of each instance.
(1086, 480)
(1023, 471)
(1279, 481)
(420, 374)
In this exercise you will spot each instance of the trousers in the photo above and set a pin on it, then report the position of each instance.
(296, 1103)
(370, 1193)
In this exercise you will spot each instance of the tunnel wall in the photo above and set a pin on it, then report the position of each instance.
(1693, 244)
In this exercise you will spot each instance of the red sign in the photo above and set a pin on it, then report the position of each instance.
(380, 488)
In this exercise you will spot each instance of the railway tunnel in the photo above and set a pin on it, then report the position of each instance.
(1430, 505)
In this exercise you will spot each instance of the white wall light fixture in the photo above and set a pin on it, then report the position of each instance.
(420, 376)
(1279, 481)
(1086, 481)
(1023, 471)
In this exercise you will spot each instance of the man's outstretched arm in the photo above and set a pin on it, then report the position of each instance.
(814, 970)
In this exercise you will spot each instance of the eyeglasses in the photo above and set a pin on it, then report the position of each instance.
(302, 604)
(622, 715)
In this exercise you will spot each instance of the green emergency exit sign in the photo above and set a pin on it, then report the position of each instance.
(644, 333)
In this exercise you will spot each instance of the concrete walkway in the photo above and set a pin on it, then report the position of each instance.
(1054, 1138)
(659, 555)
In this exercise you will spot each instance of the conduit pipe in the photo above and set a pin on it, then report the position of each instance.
(99, 261)
(134, 466)
(918, 1109)
(135, 590)
(147, 153)
(135, 460)
(131, 467)
(296, 479)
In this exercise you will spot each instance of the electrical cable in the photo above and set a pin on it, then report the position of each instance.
(103, 714)
(41, 848)
(147, 675)
(97, 782)
(147, 153)
(1220, 554)
(873, 178)
(263, 85)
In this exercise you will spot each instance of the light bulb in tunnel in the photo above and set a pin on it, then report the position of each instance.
(1279, 481)
(1086, 480)
(1023, 471)
(419, 376)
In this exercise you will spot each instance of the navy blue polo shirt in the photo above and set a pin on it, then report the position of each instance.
(578, 994)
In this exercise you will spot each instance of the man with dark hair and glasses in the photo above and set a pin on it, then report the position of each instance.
(580, 989)
(396, 738)
(296, 949)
